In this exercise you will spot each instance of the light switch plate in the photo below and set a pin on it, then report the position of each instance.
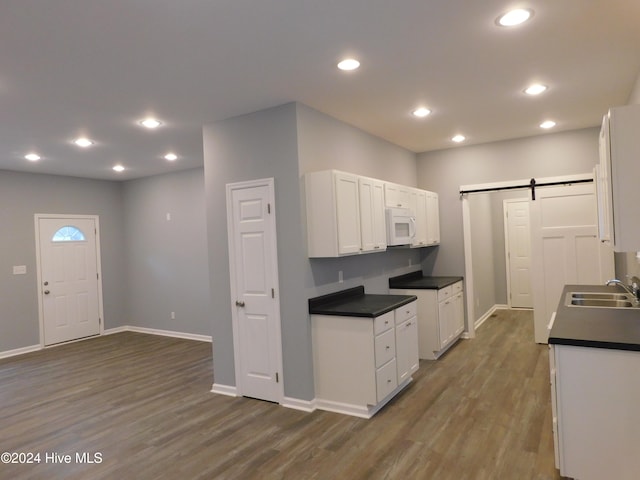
(19, 269)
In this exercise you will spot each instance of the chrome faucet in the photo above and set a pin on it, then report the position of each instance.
(634, 290)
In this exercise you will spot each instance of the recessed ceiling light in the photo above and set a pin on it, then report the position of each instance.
(421, 112)
(118, 168)
(83, 142)
(548, 124)
(348, 64)
(150, 123)
(514, 17)
(535, 89)
(171, 157)
(32, 157)
(458, 138)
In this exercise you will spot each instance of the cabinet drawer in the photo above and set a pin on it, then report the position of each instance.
(456, 287)
(386, 379)
(445, 293)
(383, 322)
(385, 347)
(405, 312)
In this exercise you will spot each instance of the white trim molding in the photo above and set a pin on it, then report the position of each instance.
(228, 390)
(491, 311)
(165, 333)
(299, 404)
(20, 351)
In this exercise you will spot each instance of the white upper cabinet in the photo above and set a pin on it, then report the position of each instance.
(433, 219)
(397, 195)
(617, 179)
(373, 233)
(342, 219)
(346, 213)
(424, 204)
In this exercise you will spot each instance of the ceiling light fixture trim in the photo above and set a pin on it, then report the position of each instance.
(514, 17)
(348, 64)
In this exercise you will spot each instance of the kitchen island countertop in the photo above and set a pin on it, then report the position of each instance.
(612, 328)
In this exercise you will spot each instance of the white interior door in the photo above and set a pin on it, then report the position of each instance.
(564, 241)
(518, 251)
(254, 281)
(68, 276)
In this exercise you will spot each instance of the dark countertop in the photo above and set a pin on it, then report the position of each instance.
(613, 328)
(415, 280)
(353, 302)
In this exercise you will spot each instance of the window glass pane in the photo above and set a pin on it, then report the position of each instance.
(68, 233)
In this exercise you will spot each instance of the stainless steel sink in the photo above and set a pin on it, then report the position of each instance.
(599, 296)
(600, 300)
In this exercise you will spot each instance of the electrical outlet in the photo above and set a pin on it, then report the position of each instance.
(173, 315)
(340, 277)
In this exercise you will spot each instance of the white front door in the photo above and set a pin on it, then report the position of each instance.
(564, 242)
(68, 278)
(518, 246)
(254, 289)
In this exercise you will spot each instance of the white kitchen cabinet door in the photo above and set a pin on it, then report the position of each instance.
(457, 314)
(396, 195)
(418, 205)
(445, 319)
(372, 220)
(407, 358)
(348, 213)
(433, 219)
(620, 169)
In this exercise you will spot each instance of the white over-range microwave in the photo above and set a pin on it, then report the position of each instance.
(401, 226)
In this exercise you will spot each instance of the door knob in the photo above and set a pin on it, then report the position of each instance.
(239, 303)
(46, 292)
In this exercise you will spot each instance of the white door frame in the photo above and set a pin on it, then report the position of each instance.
(269, 183)
(472, 322)
(507, 245)
(36, 219)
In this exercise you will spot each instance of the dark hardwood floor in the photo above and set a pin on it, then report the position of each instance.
(142, 403)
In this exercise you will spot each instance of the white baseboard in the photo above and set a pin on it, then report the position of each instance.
(297, 404)
(229, 390)
(155, 331)
(111, 331)
(491, 311)
(20, 351)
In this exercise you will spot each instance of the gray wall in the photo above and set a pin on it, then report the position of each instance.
(283, 142)
(444, 171)
(166, 260)
(21, 196)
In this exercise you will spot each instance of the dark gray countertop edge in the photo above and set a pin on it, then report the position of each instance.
(417, 281)
(354, 302)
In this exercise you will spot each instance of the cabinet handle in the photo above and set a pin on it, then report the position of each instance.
(389, 380)
(408, 324)
(388, 347)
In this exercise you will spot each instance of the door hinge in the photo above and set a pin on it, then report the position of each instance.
(97, 276)
(269, 208)
(277, 378)
(99, 321)
(273, 293)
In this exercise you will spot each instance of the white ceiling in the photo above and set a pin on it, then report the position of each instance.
(96, 67)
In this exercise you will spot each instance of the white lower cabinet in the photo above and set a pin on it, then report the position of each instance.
(441, 318)
(595, 396)
(360, 363)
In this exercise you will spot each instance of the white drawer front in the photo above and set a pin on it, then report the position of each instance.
(405, 312)
(383, 323)
(444, 293)
(385, 347)
(457, 288)
(386, 379)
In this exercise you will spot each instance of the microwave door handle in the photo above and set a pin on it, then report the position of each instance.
(412, 227)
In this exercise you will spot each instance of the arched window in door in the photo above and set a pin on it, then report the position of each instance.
(68, 233)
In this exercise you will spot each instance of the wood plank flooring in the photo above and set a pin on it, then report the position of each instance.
(144, 404)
